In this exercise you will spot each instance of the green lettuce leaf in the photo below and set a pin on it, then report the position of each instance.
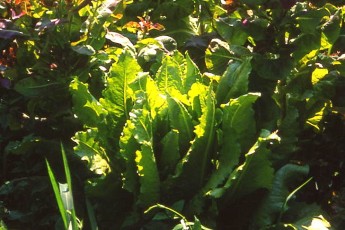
(86, 107)
(238, 132)
(234, 81)
(118, 95)
(168, 77)
(181, 121)
(192, 74)
(256, 172)
(128, 147)
(192, 169)
(89, 150)
(145, 158)
(170, 154)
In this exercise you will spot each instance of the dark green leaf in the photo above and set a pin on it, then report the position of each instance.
(195, 164)
(218, 56)
(332, 28)
(256, 172)
(308, 21)
(238, 132)
(286, 179)
(273, 68)
(234, 81)
(306, 44)
(34, 87)
(170, 152)
(181, 121)
(253, 2)
(231, 29)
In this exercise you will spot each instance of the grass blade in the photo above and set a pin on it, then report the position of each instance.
(57, 195)
(68, 191)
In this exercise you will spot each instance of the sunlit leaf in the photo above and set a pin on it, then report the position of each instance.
(318, 74)
(86, 107)
(238, 132)
(89, 150)
(193, 167)
(169, 77)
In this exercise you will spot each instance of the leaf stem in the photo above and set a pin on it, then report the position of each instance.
(166, 208)
(289, 197)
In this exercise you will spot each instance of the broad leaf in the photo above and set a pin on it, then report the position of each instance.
(218, 56)
(238, 132)
(156, 100)
(196, 96)
(181, 121)
(231, 30)
(332, 28)
(256, 172)
(84, 49)
(86, 107)
(145, 159)
(148, 176)
(285, 181)
(273, 68)
(234, 81)
(289, 129)
(307, 46)
(170, 151)
(128, 147)
(118, 38)
(192, 75)
(193, 168)
(253, 2)
(35, 87)
(118, 96)
(10, 34)
(308, 21)
(89, 150)
(168, 77)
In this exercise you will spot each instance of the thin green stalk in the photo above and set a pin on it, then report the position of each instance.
(57, 195)
(63, 194)
(69, 183)
(91, 214)
(166, 208)
(289, 197)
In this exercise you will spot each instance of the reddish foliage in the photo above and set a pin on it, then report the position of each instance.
(145, 25)
(8, 55)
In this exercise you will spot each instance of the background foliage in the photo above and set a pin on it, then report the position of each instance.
(185, 114)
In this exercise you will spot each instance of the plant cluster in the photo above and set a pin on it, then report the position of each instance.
(185, 114)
